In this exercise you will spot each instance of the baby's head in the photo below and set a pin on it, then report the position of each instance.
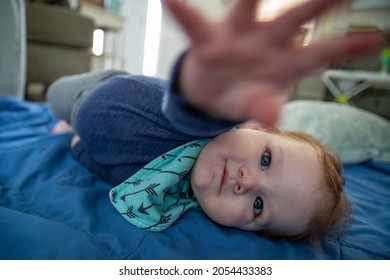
(281, 184)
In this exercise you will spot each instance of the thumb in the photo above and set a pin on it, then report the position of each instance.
(267, 110)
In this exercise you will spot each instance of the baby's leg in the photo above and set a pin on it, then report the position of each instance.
(74, 141)
(66, 94)
(62, 127)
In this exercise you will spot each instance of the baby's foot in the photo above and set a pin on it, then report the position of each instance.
(62, 127)
(74, 141)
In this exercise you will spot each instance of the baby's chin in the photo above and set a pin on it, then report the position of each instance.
(200, 180)
(203, 173)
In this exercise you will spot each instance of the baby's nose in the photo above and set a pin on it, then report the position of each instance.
(246, 180)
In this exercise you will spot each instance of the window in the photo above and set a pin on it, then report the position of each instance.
(152, 37)
(98, 42)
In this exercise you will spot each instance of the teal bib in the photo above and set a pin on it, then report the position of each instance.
(158, 194)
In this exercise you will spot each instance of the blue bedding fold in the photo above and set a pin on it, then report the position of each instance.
(51, 207)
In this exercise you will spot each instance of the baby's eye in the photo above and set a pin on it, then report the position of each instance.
(257, 206)
(265, 161)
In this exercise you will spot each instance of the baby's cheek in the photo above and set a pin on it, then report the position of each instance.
(198, 182)
(201, 178)
(221, 214)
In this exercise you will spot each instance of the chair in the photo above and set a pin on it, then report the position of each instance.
(12, 48)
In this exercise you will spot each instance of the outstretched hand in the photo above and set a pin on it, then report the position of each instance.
(241, 69)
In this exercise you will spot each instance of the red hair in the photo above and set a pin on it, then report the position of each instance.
(335, 206)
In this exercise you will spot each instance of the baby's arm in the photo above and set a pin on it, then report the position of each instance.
(185, 117)
(240, 69)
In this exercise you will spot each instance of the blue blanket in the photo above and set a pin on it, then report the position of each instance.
(51, 207)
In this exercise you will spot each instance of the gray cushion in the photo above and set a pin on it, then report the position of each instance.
(356, 134)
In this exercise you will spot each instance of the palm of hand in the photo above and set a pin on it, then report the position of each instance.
(241, 69)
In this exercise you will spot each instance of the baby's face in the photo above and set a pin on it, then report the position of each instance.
(254, 180)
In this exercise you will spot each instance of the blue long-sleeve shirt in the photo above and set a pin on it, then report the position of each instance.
(130, 120)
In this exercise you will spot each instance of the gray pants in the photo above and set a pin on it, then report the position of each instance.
(66, 94)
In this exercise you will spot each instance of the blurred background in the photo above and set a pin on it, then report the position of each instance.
(67, 37)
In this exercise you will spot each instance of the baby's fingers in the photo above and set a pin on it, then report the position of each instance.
(321, 54)
(243, 13)
(284, 27)
(192, 22)
(267, 112)
(260, 102)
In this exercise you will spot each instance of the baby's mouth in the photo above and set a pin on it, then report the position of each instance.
(224, 177)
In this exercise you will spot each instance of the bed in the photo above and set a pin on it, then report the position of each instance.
(51, 207)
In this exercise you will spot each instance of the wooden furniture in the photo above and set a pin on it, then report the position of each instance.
(58, 44)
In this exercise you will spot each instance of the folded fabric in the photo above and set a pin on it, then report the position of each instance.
(23, 120)
(157, 195)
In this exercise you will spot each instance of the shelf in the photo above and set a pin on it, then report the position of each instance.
(102, 18)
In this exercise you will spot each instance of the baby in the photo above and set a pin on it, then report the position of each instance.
(273, 182)
(256, 178)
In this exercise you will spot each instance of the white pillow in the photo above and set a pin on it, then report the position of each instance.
(356, 134)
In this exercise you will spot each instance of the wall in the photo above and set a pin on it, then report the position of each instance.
(134, 35)
(173, 41)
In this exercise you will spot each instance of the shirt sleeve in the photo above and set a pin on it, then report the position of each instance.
(183, 116)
